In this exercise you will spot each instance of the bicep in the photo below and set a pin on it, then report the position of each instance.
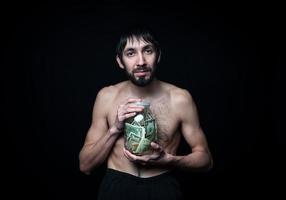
(99, 125)
(190, 126)
(195, 137)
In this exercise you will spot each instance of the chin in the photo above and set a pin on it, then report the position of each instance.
(142, 82)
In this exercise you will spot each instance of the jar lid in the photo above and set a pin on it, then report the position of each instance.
(143, 103)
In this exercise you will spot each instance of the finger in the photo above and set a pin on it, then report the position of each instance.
(134, 106)
(124, 109)
(126, 154)
(149, 158)
(155, 156)
(129, 115)
(133, 100)
(129, 155)
(123, 116)
(134, 109)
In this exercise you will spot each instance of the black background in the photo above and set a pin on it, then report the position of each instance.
(57, 56)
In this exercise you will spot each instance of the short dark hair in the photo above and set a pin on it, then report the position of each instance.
(138, 32)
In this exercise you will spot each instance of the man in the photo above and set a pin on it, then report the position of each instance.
(131, 176)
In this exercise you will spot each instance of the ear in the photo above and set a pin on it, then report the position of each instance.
(159, 58)
(119, 62)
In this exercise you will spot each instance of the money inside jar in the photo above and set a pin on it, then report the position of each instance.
(140, 130)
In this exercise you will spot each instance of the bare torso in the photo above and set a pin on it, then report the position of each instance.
(167, 122)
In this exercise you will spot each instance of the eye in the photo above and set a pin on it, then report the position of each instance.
(129, 54)
(149, 51)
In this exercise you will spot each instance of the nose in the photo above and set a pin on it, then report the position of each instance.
(141, 60)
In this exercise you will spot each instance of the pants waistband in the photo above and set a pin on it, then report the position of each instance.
(116, 173)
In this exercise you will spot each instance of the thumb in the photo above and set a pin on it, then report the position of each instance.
(155, 146)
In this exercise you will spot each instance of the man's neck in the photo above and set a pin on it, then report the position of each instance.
(142, 92)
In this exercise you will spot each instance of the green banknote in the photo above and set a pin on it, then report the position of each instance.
(139, 132)
(143, 145)
(150, 129)
(133, 135)
(133, 130)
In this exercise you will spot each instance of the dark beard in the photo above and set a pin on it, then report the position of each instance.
(141, 82)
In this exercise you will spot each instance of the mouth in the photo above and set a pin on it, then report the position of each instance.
(141, 73)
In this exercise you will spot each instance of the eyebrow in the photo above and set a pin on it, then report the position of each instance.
(144, 47)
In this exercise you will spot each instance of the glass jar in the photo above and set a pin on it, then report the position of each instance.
(140, 130)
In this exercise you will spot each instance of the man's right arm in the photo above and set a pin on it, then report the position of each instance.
(100, 138)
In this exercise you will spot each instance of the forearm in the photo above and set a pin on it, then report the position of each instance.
(201, 161)
(93, 155)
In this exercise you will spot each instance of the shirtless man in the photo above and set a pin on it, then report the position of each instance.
(130, 176)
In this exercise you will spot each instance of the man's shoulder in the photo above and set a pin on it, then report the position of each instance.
(176, 91)
(109, 92)
(177, 94)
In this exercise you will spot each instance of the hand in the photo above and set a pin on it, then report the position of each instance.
(157, 157)
(126, 110)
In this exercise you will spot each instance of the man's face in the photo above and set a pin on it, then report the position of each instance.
(139, 60)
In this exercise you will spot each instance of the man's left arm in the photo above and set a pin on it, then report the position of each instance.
(200, 157)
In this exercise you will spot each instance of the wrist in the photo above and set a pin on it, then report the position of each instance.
(115, 131)
(173, 160)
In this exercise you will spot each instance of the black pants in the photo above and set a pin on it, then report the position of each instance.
(118, 185)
